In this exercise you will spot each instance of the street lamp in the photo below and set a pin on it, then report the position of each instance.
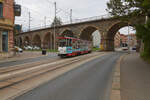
(128, 37)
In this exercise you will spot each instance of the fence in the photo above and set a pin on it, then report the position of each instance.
(74, 21)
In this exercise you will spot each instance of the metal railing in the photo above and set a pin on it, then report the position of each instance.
(74, 21)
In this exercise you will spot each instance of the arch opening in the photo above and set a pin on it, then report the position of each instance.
(67, 33)
(48, 41)
(121, 36)
(91, 34)
(26, 41)
(37, 41)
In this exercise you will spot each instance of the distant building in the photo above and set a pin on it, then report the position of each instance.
(96, 39)
(121, 40)
(8, 11)
(117, 40)
(132, 40)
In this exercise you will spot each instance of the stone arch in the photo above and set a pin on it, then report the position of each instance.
(86, 33)
(36, 40)
(109, 38)
(114, 29)
(27, 41)
(67, 33)
(48, 41)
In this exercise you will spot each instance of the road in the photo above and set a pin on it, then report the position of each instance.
(29, 60)
(90, 81)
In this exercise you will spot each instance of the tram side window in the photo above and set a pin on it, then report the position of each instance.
(78, 44)
(69, 42)
(74, 44)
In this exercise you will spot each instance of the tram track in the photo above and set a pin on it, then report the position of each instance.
(4, 70)
(13, 77)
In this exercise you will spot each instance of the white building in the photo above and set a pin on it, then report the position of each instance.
(96, 38)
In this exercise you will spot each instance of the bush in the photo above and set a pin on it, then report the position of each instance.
(143, 33)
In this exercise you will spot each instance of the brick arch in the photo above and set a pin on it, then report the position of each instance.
(86, 32)
(36, 40)
(48, 41)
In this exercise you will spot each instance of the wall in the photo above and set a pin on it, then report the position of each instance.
(7, 23)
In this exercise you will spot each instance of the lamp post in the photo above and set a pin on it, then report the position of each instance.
(128, 38)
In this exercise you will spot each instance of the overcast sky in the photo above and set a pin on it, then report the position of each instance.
(41, 8)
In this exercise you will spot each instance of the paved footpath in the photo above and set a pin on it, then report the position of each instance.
(26, 55)
(135, 78)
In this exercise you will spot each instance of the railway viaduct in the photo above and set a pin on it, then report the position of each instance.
(107, 27)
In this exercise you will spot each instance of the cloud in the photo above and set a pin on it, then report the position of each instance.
(81, 9)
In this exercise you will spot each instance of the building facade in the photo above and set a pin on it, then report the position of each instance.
(8, 11)
(132, 40)
(117, 40)
(122, 40)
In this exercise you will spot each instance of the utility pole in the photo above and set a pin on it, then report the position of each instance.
(128, 38)
(55, 26)
(50, 37)
(29, 21)
(70, 15)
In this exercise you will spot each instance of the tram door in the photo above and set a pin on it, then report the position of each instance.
(5, 41)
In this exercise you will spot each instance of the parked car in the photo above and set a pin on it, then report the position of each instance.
(134, 48)
(125, 48)
(18, 49)
(36, 48)
(25, 48)
(28, 47)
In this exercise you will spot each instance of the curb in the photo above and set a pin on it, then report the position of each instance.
(115, 92)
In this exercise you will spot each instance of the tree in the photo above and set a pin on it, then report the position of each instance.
(127, 7)
(143, 32)
(57, 22)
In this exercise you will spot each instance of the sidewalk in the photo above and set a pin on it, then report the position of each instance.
(24, 55)
(134, 78)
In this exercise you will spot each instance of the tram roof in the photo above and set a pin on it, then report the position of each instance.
(71, 38)
(67, 38)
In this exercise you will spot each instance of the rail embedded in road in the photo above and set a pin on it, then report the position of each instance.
(16, 76)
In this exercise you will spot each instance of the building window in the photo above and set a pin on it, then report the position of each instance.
(1, 10)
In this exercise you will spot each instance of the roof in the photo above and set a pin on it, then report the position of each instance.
(71, 38)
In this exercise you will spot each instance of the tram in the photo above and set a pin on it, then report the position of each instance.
(69, 46)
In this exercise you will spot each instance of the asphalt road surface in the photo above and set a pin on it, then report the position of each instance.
(29, 60)
(90, 81)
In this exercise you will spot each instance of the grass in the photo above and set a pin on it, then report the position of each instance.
(145, 56)
(48, 50)
(95, 49)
